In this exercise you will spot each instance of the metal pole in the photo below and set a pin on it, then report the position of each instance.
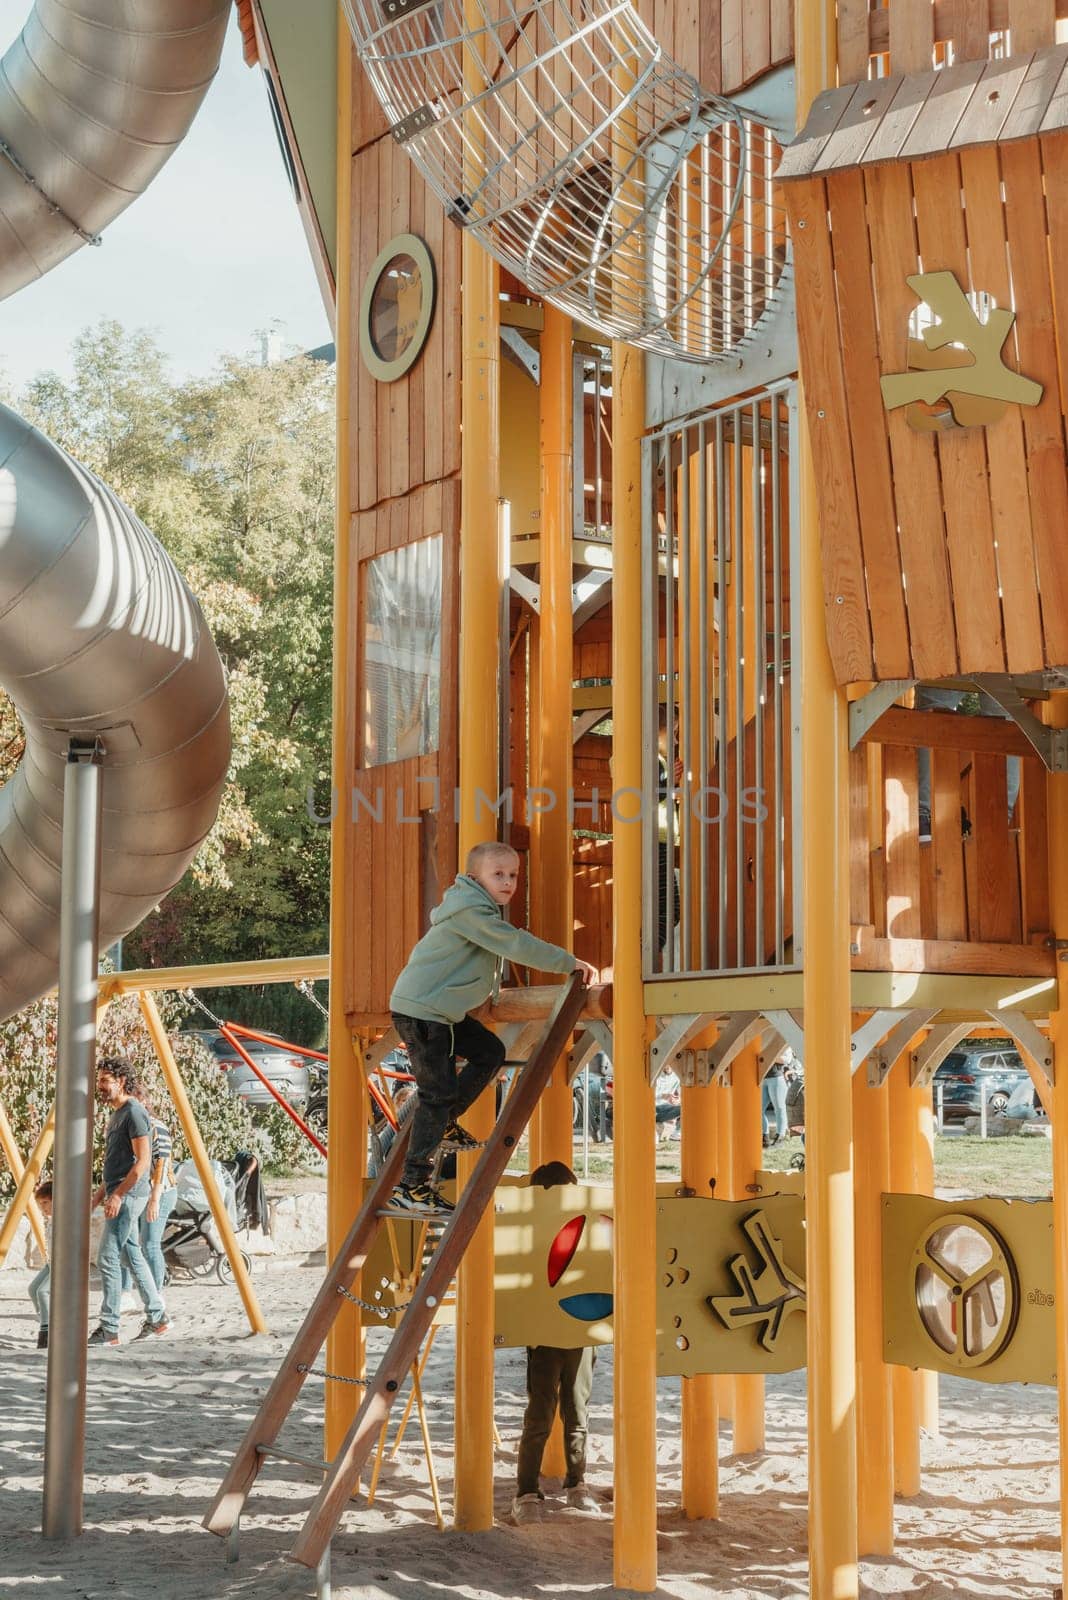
(64, 1451)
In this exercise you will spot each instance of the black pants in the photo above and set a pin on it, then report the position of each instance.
(561, 1378)
(443, 1092)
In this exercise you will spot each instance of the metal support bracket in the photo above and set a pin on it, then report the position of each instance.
(882, 1058)
(525, 588)
(865, 712)
(666, 1048)
(869, 1034)
(1031, 1040)
(925, 1062)
(740, 1029)
(1051, 744)
(791, 1026)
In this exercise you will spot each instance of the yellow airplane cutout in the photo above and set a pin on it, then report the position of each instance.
(974, 381)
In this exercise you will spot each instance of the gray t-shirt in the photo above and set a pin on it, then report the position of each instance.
(129, 1122)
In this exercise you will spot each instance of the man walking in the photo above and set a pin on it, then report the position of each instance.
(124, 1195)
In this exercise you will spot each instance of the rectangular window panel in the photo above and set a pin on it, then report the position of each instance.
(402, 653)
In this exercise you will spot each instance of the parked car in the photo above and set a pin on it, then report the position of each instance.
(979, 1069)
(287, 1072)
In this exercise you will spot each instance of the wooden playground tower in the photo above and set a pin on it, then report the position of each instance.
(761, 558)
(663, 531)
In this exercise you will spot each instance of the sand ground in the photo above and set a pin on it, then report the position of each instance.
(163, 1418)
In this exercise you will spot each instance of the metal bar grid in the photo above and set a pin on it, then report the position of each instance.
(720, 688)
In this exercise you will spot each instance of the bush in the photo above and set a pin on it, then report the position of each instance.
(27, 1082)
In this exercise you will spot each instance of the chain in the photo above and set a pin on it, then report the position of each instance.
(371, 1305)
(194, 999)
(332, 1377)
(307, 989)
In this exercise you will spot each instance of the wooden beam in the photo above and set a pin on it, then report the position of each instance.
(948, 730)
(952, 956)
(280, 969)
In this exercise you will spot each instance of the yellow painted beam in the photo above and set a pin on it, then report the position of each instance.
(903, 1180)
(13, 1157)
(964, 997)
(22, 1200)
(831, 1331)
(480, 588)
(747, 1160)
(635, 1137)
(551, 845)
(700, 1410)
(180, 1099)
(1056, 714)
(347, 1103)
(871, 1180)
(211, 975)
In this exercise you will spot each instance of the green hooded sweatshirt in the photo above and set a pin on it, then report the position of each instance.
(457, 963)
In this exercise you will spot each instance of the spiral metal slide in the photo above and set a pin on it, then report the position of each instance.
(100, 638)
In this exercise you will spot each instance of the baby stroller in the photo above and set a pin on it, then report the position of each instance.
(191, 1243)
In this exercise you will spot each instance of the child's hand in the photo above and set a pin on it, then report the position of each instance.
(591, 974)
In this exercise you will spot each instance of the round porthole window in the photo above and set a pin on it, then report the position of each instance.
(397, 307)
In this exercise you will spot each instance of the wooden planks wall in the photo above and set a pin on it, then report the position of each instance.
(724, 44)
(405, 458)
(913, 35)
(943, 551)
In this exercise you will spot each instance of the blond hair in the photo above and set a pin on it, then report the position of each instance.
(487, 851)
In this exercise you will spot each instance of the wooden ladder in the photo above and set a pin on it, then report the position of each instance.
(341, 1474)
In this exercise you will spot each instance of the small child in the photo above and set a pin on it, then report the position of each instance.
(554, 1377)
(455, 967)
(39, 1285)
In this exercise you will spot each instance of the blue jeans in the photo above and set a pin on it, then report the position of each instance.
(39, 1287)
(774, 1105)
(151, 1237)
(119, 1240)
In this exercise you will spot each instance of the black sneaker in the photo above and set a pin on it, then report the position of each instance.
(42, 1338)
(101, 1336)
(457, 1138)
(420, 1200)
(148, 1328)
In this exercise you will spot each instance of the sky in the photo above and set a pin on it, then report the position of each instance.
(211, 253)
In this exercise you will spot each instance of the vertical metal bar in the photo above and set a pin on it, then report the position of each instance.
(797, 669)
(598, 463)
(760, 686)
(668, 952)
(323, 1586)
(685, 963)
(778, 796)
(652, 450)
(704, 755)
(578, 475)
(738, 666)
(722, 798)
(64, 1445)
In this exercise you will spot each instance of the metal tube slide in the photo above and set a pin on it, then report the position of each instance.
(94, 97)
(99, 637)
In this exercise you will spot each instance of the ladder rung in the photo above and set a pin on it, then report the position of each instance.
(288, 1455)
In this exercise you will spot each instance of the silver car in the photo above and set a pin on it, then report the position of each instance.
(287, 1072)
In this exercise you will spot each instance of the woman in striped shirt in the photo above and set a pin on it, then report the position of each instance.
(161, 1199)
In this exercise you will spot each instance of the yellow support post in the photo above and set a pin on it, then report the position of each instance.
(923, 1136)
(635, 1119)
(875, 1435)
(480, 589)
(22, 1201)
(903, 1180)
(17, 1167)
(747, 1151)
(725, 1191)
(1057, 825)
(346, 1136)
(176, 1088)
(700, 1408)
(825, 861)
(551, 862)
